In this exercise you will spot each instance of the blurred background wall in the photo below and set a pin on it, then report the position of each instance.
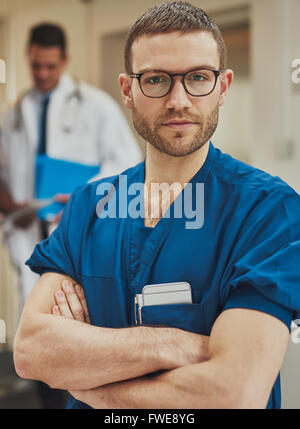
(258, 123)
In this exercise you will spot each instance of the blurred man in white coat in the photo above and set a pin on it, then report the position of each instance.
(65, 119)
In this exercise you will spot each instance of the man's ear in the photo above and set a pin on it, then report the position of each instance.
(66, 60)
(226, 78)
(125, 83)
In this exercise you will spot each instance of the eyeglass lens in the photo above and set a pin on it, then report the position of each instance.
(197, 82)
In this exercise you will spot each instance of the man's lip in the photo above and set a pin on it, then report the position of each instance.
(179, 122)
(179, 125)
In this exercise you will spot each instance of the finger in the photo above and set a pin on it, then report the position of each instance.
(62, 198)
(73, 301)
(62, 303)
(55, 310)
(80, 294)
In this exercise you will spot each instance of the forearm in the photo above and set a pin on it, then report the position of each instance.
(240, 372)
(69, 354)
(194, 386)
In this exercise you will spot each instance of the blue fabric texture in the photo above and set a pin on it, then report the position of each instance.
(245, 254)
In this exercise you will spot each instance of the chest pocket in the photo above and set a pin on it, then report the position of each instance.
(188, 317)
(108, 301)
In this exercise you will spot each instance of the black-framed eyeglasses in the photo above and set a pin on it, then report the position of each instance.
(157, 84)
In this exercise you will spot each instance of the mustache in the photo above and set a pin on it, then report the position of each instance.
(169, 117)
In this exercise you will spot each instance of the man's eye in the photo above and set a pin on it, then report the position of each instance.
(156, 79)
(197, 77)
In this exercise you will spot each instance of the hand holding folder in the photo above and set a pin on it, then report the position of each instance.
(56, 176)
(30, 209)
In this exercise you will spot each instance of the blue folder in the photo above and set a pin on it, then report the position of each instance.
(56, 176)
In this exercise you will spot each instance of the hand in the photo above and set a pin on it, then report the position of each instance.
(60, 198)
(71, 303)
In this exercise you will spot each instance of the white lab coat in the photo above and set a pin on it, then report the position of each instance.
(84, 124)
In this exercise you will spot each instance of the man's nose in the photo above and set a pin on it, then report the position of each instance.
(42, 73)
(178, 98)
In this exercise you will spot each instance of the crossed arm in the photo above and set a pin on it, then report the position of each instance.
(68, 353)
(113, 368)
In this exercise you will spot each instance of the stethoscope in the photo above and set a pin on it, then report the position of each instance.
(72, 102)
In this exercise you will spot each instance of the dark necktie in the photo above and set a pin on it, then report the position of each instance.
(42, 146)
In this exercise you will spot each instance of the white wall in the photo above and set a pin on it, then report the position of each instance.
(235, 136)
(275, 42)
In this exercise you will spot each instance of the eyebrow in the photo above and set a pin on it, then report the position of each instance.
(200, 67)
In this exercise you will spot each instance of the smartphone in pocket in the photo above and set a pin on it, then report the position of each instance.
(163, 294)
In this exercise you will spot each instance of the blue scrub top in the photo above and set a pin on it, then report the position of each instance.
(246, 254)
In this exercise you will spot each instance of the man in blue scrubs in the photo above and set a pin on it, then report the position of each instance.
(240, 251)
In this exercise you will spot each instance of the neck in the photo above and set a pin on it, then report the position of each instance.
(163, 168)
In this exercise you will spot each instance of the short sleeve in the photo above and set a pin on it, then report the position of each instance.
(55, 253)
(263, 272)
(248, 297)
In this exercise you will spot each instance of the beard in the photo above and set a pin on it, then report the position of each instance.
(179, 145)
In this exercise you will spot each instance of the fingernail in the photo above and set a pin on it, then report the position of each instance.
(60, 293)
(66, 283)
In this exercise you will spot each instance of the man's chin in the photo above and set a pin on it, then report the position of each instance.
(179, 147)
(44, 87)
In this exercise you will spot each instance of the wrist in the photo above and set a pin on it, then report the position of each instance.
(156, 347)
(169, 353)
(183, 348)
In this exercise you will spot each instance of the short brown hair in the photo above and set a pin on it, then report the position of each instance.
(173, 16)
(48, 35)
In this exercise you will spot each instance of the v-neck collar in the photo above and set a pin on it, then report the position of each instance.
(199, 177)
(141, 263)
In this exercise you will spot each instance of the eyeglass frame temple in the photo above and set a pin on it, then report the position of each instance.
(172, 75)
